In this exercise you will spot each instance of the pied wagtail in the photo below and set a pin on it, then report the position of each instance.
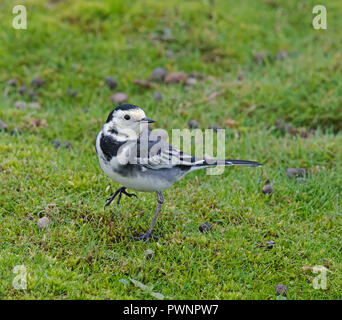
(131, 155)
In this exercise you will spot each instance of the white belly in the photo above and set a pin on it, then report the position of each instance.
(140, 182)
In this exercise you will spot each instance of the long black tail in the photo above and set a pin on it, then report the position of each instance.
(231, 162)
(226, 162)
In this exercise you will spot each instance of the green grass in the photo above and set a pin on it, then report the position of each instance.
(85, 251)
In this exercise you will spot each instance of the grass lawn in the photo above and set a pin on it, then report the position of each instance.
(269, 79)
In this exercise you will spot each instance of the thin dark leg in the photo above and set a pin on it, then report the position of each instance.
(119, 198)
(147, 235)
(119, 192)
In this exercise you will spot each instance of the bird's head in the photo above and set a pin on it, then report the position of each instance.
(127, 120)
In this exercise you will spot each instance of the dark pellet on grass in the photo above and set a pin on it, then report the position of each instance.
(215, 127)
(111, 82)
(280, 125)
(119, 97)
(157, 95)
(176, 77)
(268, 189)
(158, 74)
(67, 144)
(3, 126)
(193, 124)
(31, 95)
(72, 92)
(281, 55)
(280, 290)
(291, 172)
(205, 227)
(22, 90)
(261, 57)
(38, 82)
(142, 83)
(12, 82)
(301, 172)
(56, 143)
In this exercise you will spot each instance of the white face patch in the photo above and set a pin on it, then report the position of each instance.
(137, 114)
(125, 124)
(134, 114)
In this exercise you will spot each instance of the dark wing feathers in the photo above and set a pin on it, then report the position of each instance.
(163, 155)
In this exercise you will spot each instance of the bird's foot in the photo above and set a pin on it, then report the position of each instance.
(109, 200)
(129, 194)
(119, 192)
(145, 236)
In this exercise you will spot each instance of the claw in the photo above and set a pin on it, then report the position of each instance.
(109, 201)
(119, 192)
(145, 236)
(129, 194)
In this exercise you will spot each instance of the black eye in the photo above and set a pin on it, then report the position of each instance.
(127, 117)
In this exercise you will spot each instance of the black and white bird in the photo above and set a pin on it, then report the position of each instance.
(131, 155)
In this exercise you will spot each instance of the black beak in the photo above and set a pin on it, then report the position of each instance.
(147, 120)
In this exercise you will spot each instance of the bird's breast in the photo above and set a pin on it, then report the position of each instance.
(133, 176)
